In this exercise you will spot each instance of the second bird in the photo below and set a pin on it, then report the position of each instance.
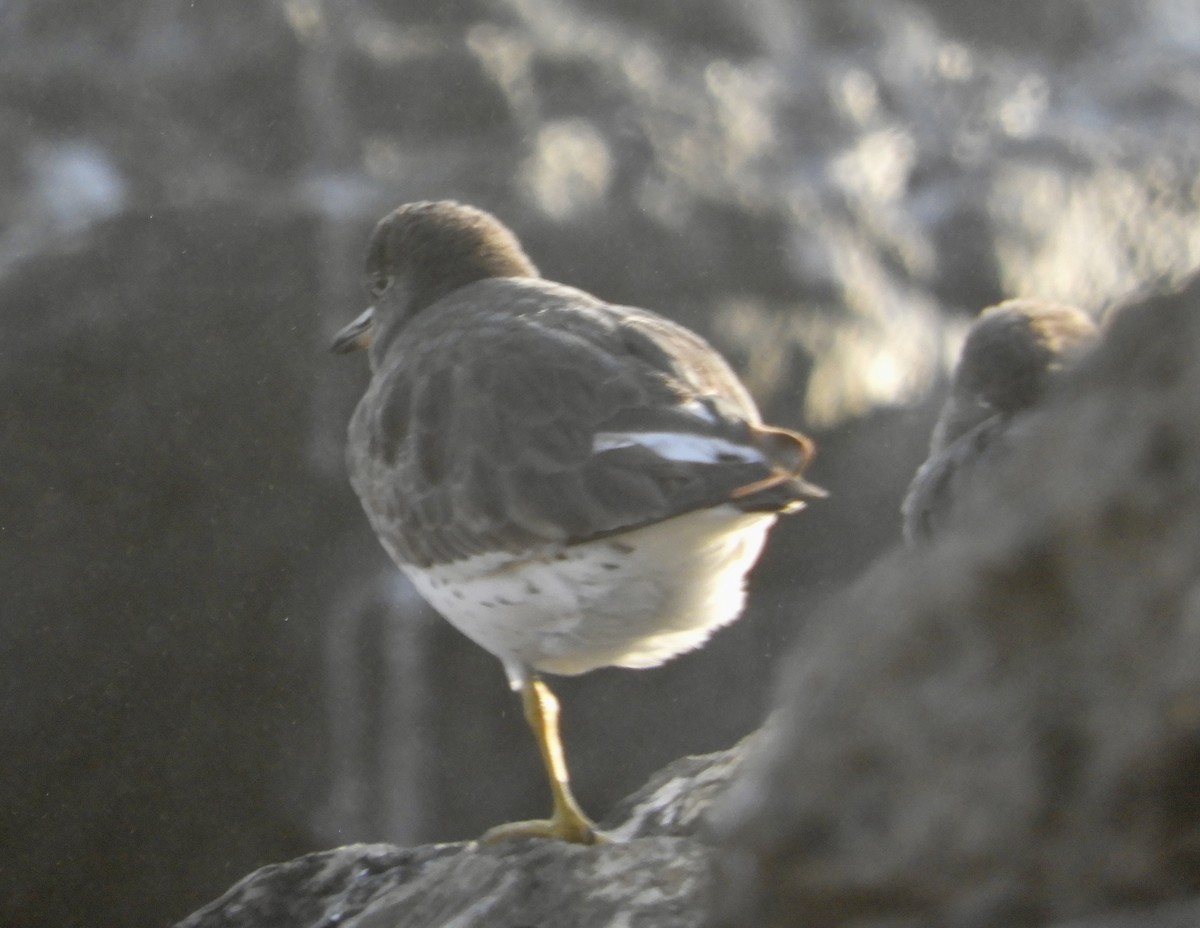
(1013, 355)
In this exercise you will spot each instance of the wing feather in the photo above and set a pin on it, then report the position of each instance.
(481, 424)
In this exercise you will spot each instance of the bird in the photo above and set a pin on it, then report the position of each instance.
(1014, 352)
(572, 484)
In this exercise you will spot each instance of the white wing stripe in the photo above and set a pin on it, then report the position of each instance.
(677, 446)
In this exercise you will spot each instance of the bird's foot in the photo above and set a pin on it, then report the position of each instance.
(577, 829)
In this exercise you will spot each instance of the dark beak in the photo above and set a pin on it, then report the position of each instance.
(354, 336)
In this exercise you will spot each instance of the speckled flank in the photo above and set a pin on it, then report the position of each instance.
(636, 602)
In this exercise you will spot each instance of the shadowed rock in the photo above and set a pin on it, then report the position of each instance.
(1003, 727)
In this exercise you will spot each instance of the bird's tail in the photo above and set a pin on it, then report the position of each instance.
(788, 455)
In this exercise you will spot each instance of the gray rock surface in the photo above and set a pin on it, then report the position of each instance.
(655, 872)
(659, 882)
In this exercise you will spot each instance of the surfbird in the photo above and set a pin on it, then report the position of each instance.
(1012, 355)
(572, 484)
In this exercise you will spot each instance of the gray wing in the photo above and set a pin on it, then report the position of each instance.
(556, 420)
(941, 483)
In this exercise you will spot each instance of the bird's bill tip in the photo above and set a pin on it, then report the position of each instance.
(810, 490)
(356, 335)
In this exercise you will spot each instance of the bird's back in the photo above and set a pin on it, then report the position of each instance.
(517, 412)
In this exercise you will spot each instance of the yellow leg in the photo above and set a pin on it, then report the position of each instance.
(567, 822)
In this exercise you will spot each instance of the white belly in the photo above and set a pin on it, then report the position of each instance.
(630, 601)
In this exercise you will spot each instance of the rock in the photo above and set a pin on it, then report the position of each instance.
(321, 888)
(676, 799)
(655, 872)
(1005, 729)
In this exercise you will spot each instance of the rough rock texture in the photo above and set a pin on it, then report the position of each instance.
(1005, 729)
(655, 873)
(650, 882)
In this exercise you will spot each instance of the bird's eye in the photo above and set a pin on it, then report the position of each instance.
(380, 285)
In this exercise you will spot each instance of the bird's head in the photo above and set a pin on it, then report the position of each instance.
(1016, 348)
(1012, 353)
(422, 252)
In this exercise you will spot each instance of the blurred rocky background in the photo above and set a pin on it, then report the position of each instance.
(206, 661)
